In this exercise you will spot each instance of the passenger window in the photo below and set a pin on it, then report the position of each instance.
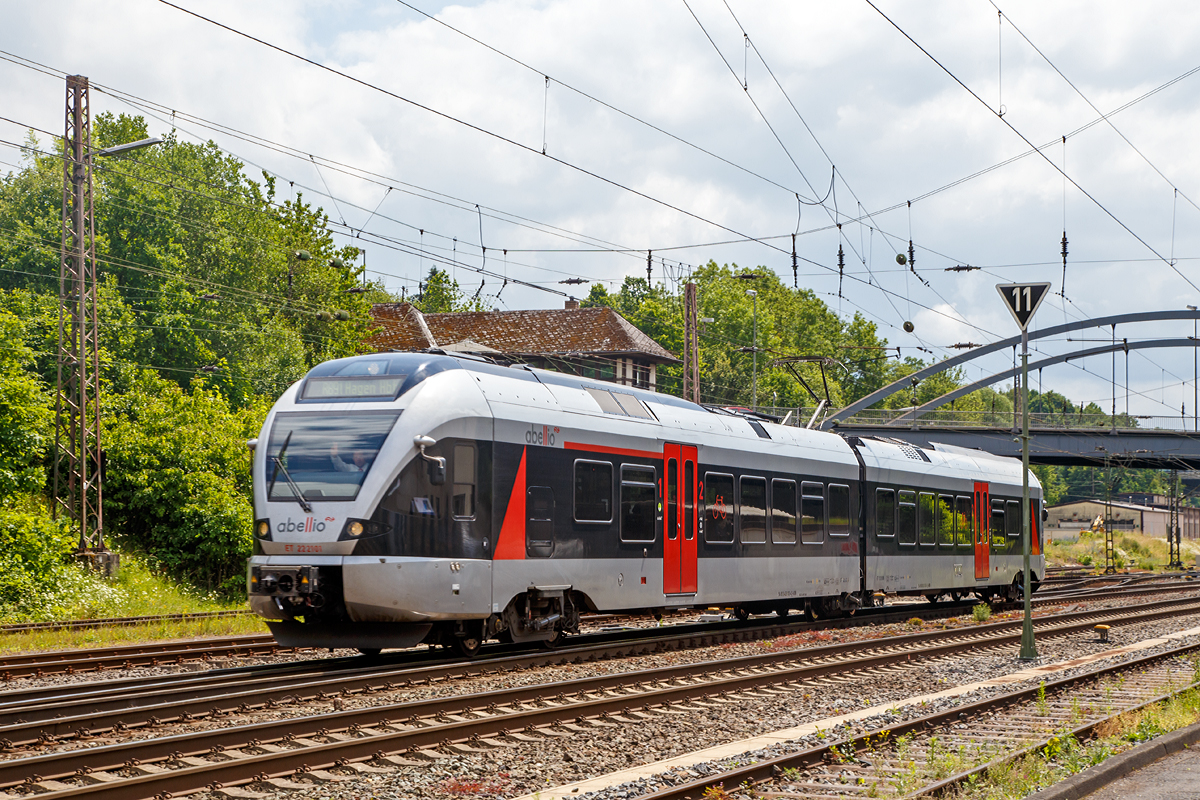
(1013, 518)
(463, 500)
(752, 510)
(906, 518)
(927, 519)
(638, 504)
(783, 512)
(965, 509)
(718, 508)
(947, 521)
(812, 513)
(997, 523)
(839, 510)
(885, 513)
(593, 491)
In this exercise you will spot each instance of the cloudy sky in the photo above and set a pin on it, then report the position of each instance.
(690, 129)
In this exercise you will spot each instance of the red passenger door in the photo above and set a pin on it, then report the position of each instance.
(679, 519)
(983, 516)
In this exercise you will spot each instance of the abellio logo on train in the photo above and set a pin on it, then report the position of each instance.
(306, 525)
(545, 435)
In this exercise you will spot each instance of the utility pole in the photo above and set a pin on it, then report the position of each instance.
(691, 346)
(78, 465)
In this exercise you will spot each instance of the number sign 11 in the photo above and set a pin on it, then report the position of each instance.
(1023, 299)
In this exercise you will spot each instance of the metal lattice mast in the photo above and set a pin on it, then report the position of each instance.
(77, 464)
(1175, 561)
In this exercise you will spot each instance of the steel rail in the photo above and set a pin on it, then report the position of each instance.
(769, 768)
(21, 665)
(422, 728)
(139, 702)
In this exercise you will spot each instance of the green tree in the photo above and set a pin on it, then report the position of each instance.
(25, 415)
(178, 478)
(441, 294)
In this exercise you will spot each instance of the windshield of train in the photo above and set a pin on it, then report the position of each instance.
(323, 455)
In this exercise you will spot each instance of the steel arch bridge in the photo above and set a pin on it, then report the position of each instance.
(1116, 439)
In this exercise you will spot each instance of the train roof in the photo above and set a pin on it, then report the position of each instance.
(394, 373)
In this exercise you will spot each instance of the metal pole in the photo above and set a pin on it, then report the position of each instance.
(755, 389)
(1028, 648)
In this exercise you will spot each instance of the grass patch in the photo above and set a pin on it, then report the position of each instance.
(1132, 550)
(1065, 756)
(111, 637)
(136, 591)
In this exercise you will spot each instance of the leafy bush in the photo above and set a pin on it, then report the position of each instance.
(981, 612)
(37, 579)
(178, 479)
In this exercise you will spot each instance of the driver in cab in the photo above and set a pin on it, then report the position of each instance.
(358, 460)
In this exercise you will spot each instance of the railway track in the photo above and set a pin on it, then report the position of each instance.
(153, 654)
(148, 654)
(934, 753)
(267, 753)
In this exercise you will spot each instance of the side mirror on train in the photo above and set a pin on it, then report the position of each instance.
(437, 464)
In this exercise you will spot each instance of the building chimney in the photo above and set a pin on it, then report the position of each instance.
(572, 304)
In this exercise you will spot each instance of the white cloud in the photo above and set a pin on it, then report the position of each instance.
(893, 122)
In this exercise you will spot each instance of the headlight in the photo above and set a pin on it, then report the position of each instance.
(262, 529)
(355, 528)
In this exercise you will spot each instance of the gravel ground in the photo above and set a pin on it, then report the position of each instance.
(936, 675)
(527, 767)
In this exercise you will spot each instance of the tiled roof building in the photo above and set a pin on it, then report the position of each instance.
(593, 342)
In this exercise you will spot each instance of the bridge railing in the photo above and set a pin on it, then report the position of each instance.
(949, 418)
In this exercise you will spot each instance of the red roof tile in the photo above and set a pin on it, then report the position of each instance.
(560, 332)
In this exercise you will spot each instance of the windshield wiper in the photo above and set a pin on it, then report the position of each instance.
(304, 504)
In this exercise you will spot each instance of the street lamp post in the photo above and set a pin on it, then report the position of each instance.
(754, 391)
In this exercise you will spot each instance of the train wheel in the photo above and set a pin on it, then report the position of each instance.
(782, 612)
(809, 614)
(469, 643)
(370, 652)
(932, 597)
(741, 613)
(554, 641)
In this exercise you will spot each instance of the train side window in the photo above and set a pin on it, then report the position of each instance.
(1012, 520)
(927, 519)
(996, 528)
(885, 513)
(639, 488)
(593, 491)
(906, 518)
(783, 511)
(839, 509)
(463, 500)
(752, 510)
(812, 513)
(718, 508)
(965, 508)
(947, 521)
